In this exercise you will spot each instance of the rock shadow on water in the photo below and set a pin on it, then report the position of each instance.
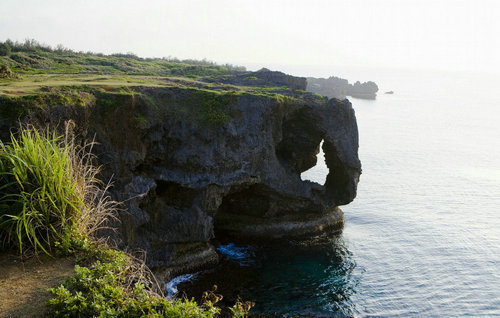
(312, 279)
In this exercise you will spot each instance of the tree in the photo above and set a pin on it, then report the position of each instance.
(4, 49)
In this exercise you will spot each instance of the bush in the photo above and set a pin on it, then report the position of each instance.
(5, 72)
(4, 49)
(48, 193)
(105, 290)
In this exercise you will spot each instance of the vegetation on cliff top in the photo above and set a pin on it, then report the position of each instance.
(32, 57)
(31, 68)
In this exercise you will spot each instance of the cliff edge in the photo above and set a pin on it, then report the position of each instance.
(194, 163)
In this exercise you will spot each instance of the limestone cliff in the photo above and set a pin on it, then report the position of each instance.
(193, 164)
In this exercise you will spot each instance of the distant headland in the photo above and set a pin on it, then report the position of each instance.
(336, 87)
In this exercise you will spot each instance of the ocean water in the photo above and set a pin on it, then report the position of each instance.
(422, 238)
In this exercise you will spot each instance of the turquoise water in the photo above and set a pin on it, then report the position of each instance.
(422, 238)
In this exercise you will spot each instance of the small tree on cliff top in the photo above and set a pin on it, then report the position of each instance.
(4, 49)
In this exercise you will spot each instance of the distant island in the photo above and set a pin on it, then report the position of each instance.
(336, 87)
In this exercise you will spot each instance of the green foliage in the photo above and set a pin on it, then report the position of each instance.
(204, 107)
(283, 99)
(240, 310)
(33, 57)
(103, 291)
(32, 60)
(107, 102)
(15, 107)
(52, 97)
(5, 72)
(141, 120)
(50, 198)
(5, 49)
(40, 202)
(213, 108)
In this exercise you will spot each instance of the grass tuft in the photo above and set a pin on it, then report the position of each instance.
(48, 193)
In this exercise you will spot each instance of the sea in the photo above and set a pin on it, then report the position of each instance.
(422, 237)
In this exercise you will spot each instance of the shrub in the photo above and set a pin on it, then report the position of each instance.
(4, 49)
(105, 290)
(49, 195)
(5, 72)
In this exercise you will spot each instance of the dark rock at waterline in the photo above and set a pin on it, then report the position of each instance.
(389, 92)
(186, 176)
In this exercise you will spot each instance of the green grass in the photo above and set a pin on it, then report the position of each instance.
(34, 84)
(35, 66)
(208, 107)
(14, 108)
(50, 197)
(40, 197)
(44, 62)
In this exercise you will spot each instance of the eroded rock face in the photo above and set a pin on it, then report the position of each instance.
(184, 181)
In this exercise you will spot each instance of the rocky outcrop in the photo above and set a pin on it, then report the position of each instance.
(367, 90)
(192, 166)
(263, 77)
(335, 87)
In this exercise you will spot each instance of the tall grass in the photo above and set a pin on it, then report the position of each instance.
(48, 192)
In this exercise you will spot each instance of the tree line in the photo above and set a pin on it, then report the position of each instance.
(32, 45)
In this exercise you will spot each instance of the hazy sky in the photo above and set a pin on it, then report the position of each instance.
(442, 34)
